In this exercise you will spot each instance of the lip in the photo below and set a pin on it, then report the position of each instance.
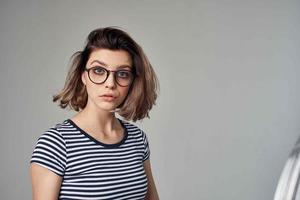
(108, 97)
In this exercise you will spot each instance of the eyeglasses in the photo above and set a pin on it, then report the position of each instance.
(99, 75)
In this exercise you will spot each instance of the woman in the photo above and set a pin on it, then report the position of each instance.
(94, 154)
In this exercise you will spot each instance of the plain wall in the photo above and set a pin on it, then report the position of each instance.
(229, 106)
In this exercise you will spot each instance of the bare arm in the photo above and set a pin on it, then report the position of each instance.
(45, 183)
(152, 192)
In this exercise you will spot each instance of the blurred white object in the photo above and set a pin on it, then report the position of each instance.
(288, 185)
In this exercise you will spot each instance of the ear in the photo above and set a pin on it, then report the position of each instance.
(83, 78)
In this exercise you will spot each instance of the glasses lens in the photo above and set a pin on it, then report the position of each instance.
(98, 74)
(124, 77)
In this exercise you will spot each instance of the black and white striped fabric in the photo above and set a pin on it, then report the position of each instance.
(288, 184)
(91, 169)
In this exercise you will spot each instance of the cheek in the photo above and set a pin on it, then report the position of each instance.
(91, 89)
(124, 91)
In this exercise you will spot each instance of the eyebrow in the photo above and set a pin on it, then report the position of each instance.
(118, 67)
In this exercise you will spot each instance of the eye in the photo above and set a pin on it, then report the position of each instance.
(123, 74)
(99, 70)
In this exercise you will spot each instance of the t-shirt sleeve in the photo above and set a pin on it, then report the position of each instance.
(50, 152)
(146, 147)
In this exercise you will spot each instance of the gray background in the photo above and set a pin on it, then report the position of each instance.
(229, 107)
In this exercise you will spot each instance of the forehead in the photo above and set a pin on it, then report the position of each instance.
(112, 58)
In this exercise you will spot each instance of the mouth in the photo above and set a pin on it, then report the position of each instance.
(108, 97)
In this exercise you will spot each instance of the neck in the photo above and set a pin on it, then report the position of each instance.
(101, 120)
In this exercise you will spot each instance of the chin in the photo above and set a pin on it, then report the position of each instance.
(106, 107)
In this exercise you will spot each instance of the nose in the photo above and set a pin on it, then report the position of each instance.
(110, 81)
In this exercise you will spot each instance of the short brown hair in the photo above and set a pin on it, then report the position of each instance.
(143, 91)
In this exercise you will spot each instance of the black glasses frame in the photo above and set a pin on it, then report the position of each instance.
(108, 73)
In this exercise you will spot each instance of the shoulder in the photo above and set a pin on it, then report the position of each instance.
(56, 132)
(133, 129)
(50, 150)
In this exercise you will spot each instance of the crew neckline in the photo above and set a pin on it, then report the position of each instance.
(99, 142)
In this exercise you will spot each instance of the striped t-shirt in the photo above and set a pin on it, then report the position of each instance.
(91, 169)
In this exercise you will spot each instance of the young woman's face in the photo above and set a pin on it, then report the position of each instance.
(107, 90)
